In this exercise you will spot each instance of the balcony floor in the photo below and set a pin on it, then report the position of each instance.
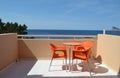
(39, 69)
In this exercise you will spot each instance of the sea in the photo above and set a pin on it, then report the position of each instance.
(71, 32)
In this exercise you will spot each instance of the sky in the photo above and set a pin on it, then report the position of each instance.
(62, 14)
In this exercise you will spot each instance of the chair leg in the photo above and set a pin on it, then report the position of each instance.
(66, 64)
(72, 61)
(63, 61)
(50, 64)
(76, 61)
(89, 69)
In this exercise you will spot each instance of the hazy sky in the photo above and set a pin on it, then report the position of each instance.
(62, 14)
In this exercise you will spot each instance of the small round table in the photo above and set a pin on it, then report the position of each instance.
(70, 45)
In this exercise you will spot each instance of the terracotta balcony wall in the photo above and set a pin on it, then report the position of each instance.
(108, 47)
(8, 49)
(40, 48)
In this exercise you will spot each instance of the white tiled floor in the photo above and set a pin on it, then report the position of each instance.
(39, 69)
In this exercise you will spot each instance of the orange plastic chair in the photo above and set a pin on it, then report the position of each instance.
(58, 52)
(83, 52)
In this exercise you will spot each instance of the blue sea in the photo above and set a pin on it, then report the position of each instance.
(70, 32)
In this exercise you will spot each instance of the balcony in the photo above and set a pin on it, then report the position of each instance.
(30, 58)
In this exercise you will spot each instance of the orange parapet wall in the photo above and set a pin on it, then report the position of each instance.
(40, 48)
(108, 47)
(8, 49)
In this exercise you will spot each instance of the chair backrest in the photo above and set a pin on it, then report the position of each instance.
(79, 48)
(53, 47)
(87, 48)
(84, 46)
(87, 44)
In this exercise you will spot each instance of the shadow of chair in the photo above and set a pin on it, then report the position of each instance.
(58, 52)
(83, 52)
(98, 59)
(99, 70)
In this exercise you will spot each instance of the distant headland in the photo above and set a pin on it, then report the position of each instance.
(115, 28)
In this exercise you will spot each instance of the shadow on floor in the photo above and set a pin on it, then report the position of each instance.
(94, 66)
(22, 68)
(16, 70)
